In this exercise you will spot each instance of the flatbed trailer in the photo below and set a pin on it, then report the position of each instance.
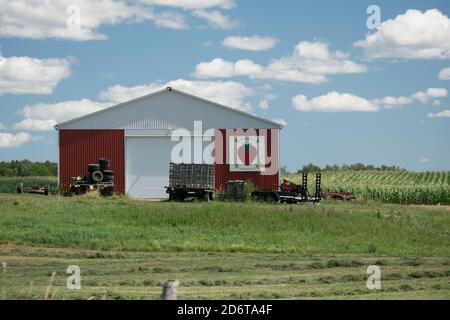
(191, 181)
(291, 193)
(105, 188)
(283, 197)
(43, 190)
(339, 195)
(183, 193)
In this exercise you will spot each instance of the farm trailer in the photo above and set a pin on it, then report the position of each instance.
(290, 192)
(191, 181)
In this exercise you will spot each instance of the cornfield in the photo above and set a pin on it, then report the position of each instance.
(403, 187)
(9, 184)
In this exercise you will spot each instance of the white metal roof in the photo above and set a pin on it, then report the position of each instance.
(168, 109)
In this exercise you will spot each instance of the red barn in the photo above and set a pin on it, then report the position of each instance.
(141, 137)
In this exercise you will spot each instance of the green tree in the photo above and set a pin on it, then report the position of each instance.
(310, 168)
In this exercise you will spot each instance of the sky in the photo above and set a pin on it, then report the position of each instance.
(351, 82)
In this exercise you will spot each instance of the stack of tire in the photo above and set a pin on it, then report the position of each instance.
(99, 172)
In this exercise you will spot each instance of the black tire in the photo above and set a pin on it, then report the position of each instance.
(46, 190)
(20, 188)
(93, 167)
(107, 192)
(97, 176)
(104, 164)
(108, 172)
(108, 176)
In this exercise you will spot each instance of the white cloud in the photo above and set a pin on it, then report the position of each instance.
(43, 116)
(171, 20)
(264, 104)
(443, 114)
(193, 4)
(393, 102)
(444, 74)
(38, 19)
(226, 69)
(30, 75)
(334, 102)
(310, 63)
(9, 140)
(281, 121)
(228, 93)
(430, 94)
(254, 43)
(424, 160)
(412, 35)
(216, 19)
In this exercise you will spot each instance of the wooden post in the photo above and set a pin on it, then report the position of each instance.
(3, 282)
(170, 290)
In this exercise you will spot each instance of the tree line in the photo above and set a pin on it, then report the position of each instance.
(344, 167)
(26, 168)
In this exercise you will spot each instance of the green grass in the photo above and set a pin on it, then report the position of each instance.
(128, 249)
(9, 184)
(402, 187)
(130, 275)
(122, 224)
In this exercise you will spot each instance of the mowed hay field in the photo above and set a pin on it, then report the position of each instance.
(141, 275)
(127, 249)
(397, 186)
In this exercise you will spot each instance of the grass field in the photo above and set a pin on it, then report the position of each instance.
(128, 249)
(329, 228)
(132, 275)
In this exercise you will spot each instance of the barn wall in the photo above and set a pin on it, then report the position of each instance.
(261, 181)
(78, 148)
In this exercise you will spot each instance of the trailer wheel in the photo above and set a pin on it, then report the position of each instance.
(257, 196)
(107, 191)
(46, 190)
(272, 198)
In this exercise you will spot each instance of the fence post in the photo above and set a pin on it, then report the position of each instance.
(170, 290)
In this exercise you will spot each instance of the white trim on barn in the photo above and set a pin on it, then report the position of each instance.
(168, 109)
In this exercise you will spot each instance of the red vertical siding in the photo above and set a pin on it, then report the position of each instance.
(261, 181)
(78, 148)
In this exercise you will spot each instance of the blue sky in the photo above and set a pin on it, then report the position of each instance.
(318, 51)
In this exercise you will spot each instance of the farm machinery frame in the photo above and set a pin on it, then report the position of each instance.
(292, 193)
(98, 179)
